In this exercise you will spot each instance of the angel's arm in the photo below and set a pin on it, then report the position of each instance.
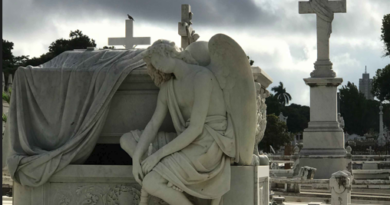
(154, 124)
(203, 88)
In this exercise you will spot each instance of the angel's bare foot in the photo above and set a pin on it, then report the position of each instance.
(170, 185)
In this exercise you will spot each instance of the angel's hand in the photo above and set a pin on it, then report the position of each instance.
(149, 163)
(137, 172)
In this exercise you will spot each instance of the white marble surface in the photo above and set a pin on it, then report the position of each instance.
(7, 200)
(202, 101)
(77, 183)
(325, 166)
(323, 135)
(368, 165)
(340, 185)
(67, 110)
(138, 90)
(323, 140)
(129, 41)
(261, 77)
(324, 11)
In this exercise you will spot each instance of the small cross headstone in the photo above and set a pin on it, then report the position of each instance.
(324, 10)
(370, 150)
(129, 41)
(186, 32)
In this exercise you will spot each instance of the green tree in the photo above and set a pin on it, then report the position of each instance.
(275, 134)
(371, 116)
(7, 50)
(281, 94)
(353, 109)
(381, 84)
(298, 117)
(273, 105)
(386, 33)
(77, 41)
(108, 47)
(7, 56)
(10, 62)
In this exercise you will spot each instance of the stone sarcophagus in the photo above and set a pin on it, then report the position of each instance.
(105, 176)
(131, 108)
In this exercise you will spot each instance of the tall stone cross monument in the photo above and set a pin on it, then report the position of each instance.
(129, 41)
(186, 32)
(324, 11)
(323, 140)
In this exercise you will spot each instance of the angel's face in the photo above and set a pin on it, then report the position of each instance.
(162, 63)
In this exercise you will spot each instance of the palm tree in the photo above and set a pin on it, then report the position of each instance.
(281, 94)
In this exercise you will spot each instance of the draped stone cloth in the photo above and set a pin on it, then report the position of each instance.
(323, 12)
(202, 169)
(58, 110)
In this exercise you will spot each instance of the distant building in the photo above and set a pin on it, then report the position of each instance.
(365, 85)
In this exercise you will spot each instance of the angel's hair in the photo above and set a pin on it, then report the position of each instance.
(167, 49)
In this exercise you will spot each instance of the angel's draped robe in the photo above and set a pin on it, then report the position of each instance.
(202, 169)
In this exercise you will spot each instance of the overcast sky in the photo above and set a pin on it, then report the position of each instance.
(271, 32)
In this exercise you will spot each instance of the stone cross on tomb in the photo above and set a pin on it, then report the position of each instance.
(324, 10)
(370, 150)
(186, 32)
(129, 41)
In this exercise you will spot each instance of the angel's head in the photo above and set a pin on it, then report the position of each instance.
(160, 59)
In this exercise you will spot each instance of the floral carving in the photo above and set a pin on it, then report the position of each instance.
(100, 194)
(261, 95)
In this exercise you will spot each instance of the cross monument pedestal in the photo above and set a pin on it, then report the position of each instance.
(323, 140)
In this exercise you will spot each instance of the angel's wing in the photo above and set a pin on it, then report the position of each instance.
(230, 66)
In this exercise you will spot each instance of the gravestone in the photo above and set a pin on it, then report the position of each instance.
(340, 185)
(324, 136)
(283, 118)
(381, 138)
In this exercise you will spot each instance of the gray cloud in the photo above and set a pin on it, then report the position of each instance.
(26, 21)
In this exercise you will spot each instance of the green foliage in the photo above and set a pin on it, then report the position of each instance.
(77, 41)
(360, 115)
(281, 94)
(275, 134)
(7, 50)
(4, 118)
(10, 62)
(298, 117)
(385, 36)
(381, 83)
(371, 116)
(353, 108)
(6, 97)
(273, 105)
(109, 47)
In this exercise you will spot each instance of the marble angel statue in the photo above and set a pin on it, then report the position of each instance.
(209, 92)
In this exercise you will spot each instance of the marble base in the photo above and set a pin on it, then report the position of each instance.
(100, 184)
(323, 140)
(325, 166)
(369, 165)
